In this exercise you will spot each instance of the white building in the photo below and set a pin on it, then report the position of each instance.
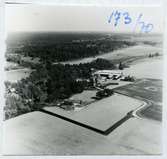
(108, 74)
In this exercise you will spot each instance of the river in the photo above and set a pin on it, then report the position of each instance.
(140, 70)
(138, 50)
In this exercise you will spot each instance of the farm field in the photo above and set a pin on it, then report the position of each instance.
(38, 133)
(121, 83)
(85, 96)
(147, 68)
(148, 90)
(101, 114)
(153, 112)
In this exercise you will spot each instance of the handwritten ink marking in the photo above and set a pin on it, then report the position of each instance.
(127, 18)
(144, 27)
(110, 18)
(149, 27)
(117, 16)
(138, 21)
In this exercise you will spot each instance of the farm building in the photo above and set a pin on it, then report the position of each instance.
(109, 74)
(103, 75)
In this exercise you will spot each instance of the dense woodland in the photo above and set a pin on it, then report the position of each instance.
(70, 51)
(49, 83)
(57, 48)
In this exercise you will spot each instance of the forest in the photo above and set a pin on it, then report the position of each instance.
(49, 83)
(71, 51)
(58, 48)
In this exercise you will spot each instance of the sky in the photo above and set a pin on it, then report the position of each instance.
(35, 17)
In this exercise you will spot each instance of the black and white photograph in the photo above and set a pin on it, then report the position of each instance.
(83, 80)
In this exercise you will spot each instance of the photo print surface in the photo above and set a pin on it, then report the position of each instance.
(83, 80)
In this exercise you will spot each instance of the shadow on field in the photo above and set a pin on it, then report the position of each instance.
(106, 132)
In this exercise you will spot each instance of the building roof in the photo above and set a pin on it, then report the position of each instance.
(108, 72)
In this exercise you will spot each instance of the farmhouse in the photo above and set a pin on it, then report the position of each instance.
(108, 74)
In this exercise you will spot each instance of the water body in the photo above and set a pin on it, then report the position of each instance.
(138, 50)
(16, 75)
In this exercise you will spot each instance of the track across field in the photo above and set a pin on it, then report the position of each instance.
(148, 90)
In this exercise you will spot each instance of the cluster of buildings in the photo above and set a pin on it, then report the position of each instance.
(104, 75)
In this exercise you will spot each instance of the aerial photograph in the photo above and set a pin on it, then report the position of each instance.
(82, 84)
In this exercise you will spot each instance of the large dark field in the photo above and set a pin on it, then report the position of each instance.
(150, 91)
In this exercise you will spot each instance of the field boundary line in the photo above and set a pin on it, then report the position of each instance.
(105, 132)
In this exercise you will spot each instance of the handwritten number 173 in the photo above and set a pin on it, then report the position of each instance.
(117, 17)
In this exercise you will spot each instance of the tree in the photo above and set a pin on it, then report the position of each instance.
(104, 93)
(129, 78)
(150, 55)
(156, 54)
(120, 66)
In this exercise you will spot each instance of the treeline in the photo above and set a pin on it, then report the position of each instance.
(58, 52)
(49, 83)
(61, 81)
(22, 97)
(154, 55)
